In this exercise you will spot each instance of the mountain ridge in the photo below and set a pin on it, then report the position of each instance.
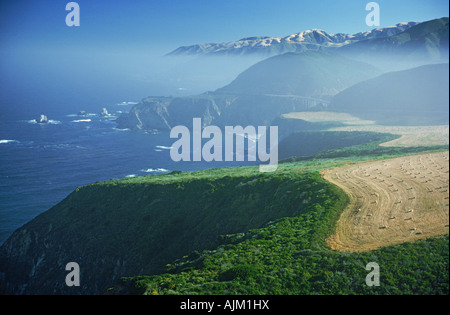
(421, 44)
(298, 81)
(305, 40)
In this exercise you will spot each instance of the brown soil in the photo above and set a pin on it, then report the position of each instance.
(392, 201)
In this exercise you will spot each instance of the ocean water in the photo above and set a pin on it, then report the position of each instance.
(41, 164)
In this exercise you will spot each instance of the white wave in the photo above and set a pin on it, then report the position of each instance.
(4, 141)
(131, 176)
(155, 170)
(118, 129)
(81, 120)
(50, 122)
(82, 115)
(157, 150)
(163, 147)
(126, 103)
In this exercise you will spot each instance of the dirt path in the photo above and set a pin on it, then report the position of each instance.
(392, 201)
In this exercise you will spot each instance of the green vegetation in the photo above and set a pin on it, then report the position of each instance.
(289, 255)
(135, 226)
(218, 231)
(363, 151)
(309, 143)
(276, 261)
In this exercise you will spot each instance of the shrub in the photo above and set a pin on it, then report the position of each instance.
(242, 272)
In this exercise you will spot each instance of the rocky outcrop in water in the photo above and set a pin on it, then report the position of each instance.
(104, 112)
(42, 119)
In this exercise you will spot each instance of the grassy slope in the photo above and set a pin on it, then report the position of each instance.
(218, 231)
(289, 256)
(135, 226)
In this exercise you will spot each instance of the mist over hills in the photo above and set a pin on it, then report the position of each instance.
(309, 80)
(411, 97)
(289, 82)
(423, 43)
(307, 74)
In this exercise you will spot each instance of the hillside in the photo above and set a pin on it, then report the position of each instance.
(418, 96)
(311, 142)
(132, 227)
(281, 84)
(289, 257)
(231, 230)
(308, 74)
(306, 81)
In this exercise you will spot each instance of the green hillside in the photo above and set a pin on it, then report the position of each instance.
(283, 259)
(218, 231)
(289, 257)
(309, 143)
(131, 227)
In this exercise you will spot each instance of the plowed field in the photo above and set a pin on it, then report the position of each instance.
(392, 201)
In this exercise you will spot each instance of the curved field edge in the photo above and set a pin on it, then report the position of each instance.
(290, 256)
(392, 201)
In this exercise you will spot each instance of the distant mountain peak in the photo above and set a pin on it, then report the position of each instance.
(312, 39)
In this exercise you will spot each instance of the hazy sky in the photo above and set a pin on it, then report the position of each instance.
(113, 55)
(160, 26)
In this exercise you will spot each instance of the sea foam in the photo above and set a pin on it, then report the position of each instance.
(155, 170)
(163, 147)
(4, 141)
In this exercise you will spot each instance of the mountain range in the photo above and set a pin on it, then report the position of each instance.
(421, 44)
(307, 40)
(300, 81)
(312, 80)
(140, 226)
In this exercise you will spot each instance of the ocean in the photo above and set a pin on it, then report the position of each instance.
(41, 164)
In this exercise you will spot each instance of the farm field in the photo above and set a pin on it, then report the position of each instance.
(391, 201)
(343, 118)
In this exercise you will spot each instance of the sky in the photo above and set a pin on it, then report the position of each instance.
(159, 26)
(115, 53)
